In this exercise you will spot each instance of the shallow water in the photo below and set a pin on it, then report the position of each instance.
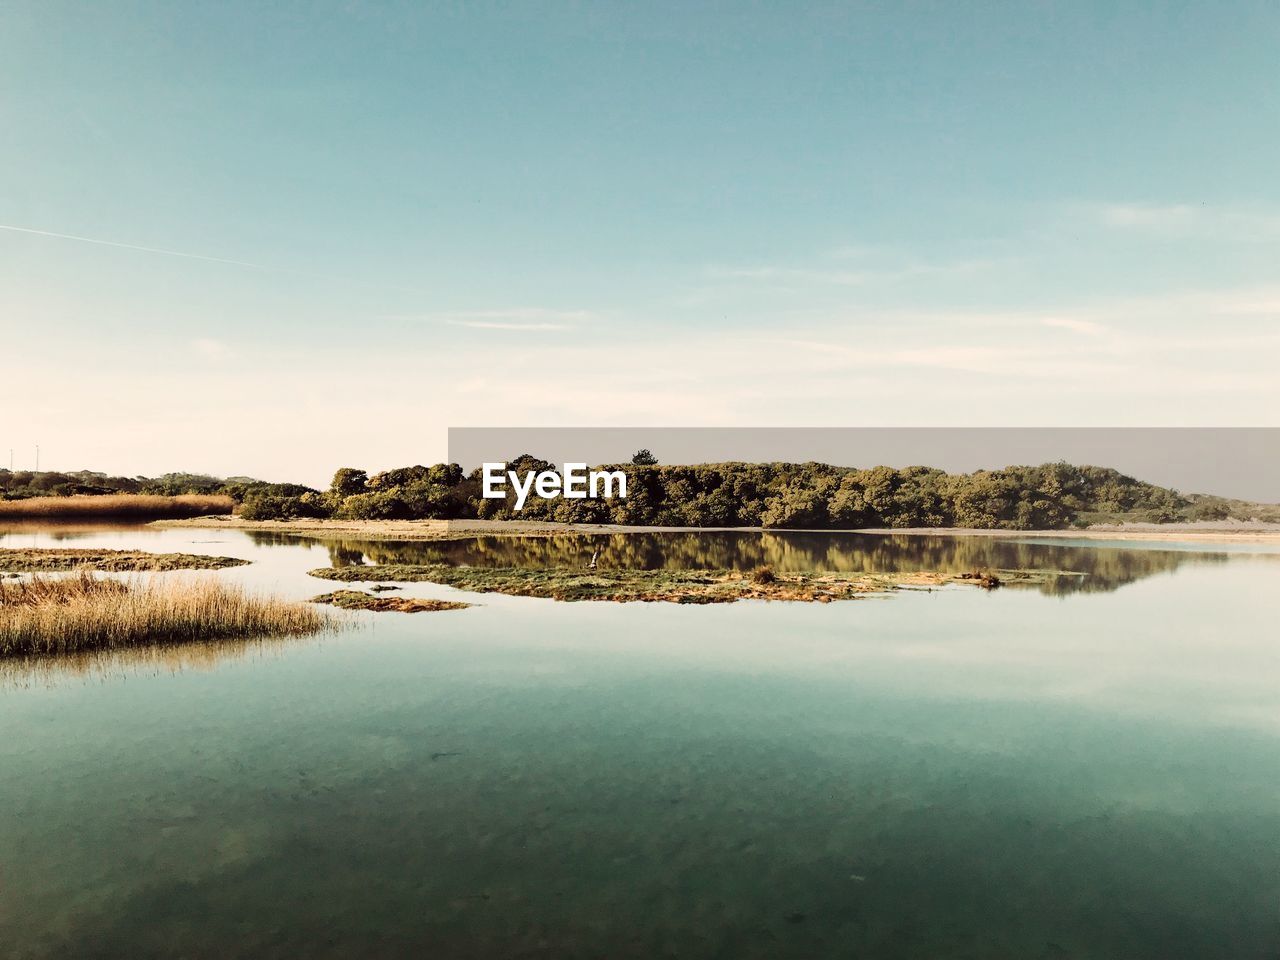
(1093, 773)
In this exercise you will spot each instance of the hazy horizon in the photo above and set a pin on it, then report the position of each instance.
(1240, 463)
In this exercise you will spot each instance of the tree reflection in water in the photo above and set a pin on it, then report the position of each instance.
(1086, 567)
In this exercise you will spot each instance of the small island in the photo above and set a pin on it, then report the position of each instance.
(673, 586)
(358, 600)
(58, 559)
(42, 616)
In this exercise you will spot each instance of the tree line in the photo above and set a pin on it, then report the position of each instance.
(812, 496)
(26, 484)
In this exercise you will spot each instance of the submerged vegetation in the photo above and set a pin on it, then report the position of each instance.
(114, 561)
(43, 615)
(357, 600)
(676, 586)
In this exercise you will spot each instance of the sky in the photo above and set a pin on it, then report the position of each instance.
(273, 239)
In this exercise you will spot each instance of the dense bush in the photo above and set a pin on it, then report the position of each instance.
(348, 482)
(278, 505)
(22, 484)
(384, 505)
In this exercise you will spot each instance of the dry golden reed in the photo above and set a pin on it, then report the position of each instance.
(44, 616)
(122, 506)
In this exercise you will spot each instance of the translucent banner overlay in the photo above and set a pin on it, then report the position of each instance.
(1237, 462)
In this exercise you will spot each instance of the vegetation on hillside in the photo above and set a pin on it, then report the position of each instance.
(773, 495)
(22, 484)
(86, 495)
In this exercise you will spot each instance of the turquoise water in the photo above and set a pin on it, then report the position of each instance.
(955, 774)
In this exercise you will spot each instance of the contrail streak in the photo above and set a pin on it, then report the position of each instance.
(132, 246)
(208, 259)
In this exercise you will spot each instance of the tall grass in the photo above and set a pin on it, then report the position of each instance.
(82, 613)
(122, 506)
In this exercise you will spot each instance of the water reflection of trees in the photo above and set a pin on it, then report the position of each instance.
(1090, 569)
(59, 530)
(269, 538)
(342, 553)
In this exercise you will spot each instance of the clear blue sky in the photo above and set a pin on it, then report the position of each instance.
(562, 214)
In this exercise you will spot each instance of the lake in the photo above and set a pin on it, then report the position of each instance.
(1086, 769)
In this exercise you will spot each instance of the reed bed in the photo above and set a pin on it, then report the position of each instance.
(122, 506)
(81, 612)
(63, 559)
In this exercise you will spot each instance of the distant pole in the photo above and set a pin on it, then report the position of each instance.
(37, 458)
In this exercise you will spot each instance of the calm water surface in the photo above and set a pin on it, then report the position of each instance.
(1091, 770)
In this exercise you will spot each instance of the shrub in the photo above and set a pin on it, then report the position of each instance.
(270, 506)
(349, 481)
(388, 505)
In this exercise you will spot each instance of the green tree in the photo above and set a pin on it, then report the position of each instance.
(349, 481)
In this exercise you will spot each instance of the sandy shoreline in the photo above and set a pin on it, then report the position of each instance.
(460, 529)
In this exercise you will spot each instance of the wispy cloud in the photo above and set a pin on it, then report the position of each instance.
(205, 258)
(98, 241)
(845, 278)
(1159, 363)
(526, 313)
(509, 325)
(833, 270)
(516, 318)
(1181, 221)
(208, 347)
(891, 273)
(1076, 325)
(1010, 362)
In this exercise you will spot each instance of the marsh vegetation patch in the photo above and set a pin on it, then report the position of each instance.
(122, 507)
(358, 600)
(675, 586)
(108, 561)
(44, 615)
